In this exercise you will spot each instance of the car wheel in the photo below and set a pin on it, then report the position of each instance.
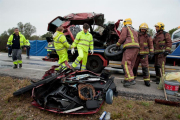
(112, 53)
(109, 96)
(94, 64)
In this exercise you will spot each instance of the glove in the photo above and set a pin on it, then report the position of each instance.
(150, 56)
(118, 44)
(92, 51)
(72, 51)
(166, 53)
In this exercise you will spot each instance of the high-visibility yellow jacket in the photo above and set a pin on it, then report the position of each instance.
(27, 43)
(49, 45)
(60, 42)
(84, 41)
(22, 40)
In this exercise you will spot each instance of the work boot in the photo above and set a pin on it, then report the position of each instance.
(155, 80)
(57, 69)
(27, 57)
(133, 82)
(15, 66)
(20, 65)
(147, 83)
(126, 83)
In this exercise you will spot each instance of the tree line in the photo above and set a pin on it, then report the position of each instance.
(26, 29)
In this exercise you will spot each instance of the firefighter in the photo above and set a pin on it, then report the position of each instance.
(17, 41)
(162, 47)
(129, 39)
(146, 47)
(49, 50)
(83, 42)
(27, 48)
(61, 45)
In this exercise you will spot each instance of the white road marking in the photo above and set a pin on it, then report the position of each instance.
(123, 79)
(35, 69)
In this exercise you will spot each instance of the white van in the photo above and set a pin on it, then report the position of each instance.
(175, 39)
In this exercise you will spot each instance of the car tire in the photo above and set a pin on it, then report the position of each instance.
(109, 96)
(94, 64)
(111, 53)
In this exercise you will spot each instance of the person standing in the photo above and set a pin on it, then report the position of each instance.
(162, 47)
(83, 42)
(27, 48)
(129, 39)
(49, 50)
(61, 45)
(17, 41)
(146, 47)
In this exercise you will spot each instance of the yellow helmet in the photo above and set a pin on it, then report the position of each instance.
(160, 25)
(143, 26)
(178, 27)
(127, 21)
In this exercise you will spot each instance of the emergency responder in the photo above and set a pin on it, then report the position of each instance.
(27, 48)
(162, 47)
(17, 41)
(129, 39)
(83, 42)
(61, 45)
(49, 50)
(146, 47)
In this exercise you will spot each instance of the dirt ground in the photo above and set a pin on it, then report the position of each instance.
(20, 108)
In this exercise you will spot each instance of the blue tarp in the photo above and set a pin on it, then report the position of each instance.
(38, 47)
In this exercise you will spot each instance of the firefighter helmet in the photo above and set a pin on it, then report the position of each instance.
(143, 26)
(127, 21)
(160, 25)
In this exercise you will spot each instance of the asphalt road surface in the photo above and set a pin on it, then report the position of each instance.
(34, 68)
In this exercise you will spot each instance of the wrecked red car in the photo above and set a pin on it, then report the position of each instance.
(71, 92)
(109, 36)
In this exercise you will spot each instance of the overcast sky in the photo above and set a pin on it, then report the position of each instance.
(40, 12)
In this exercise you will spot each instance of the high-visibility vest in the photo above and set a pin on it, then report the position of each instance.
(84, 41)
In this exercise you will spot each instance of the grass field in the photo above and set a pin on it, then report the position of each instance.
(20, 108)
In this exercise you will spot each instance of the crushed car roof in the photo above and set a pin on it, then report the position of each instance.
(77, 19)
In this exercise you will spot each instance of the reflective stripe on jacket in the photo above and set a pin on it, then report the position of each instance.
(129, 37)
(27, 43)
(145, 43)
(84, 41)
(60, 42)
(162, 42)
(49, 45)
(22, 40)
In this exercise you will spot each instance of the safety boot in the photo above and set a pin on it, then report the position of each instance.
(20, 65)
(147, 83)
(126, 83)
(15, 66)
(133, 82)
(157, 80)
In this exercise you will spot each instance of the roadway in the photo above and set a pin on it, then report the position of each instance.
(34, 68)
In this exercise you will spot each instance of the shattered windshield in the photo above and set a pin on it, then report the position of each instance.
(57, 22)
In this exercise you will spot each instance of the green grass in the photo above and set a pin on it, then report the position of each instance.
(145, 104)
(20, 118)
